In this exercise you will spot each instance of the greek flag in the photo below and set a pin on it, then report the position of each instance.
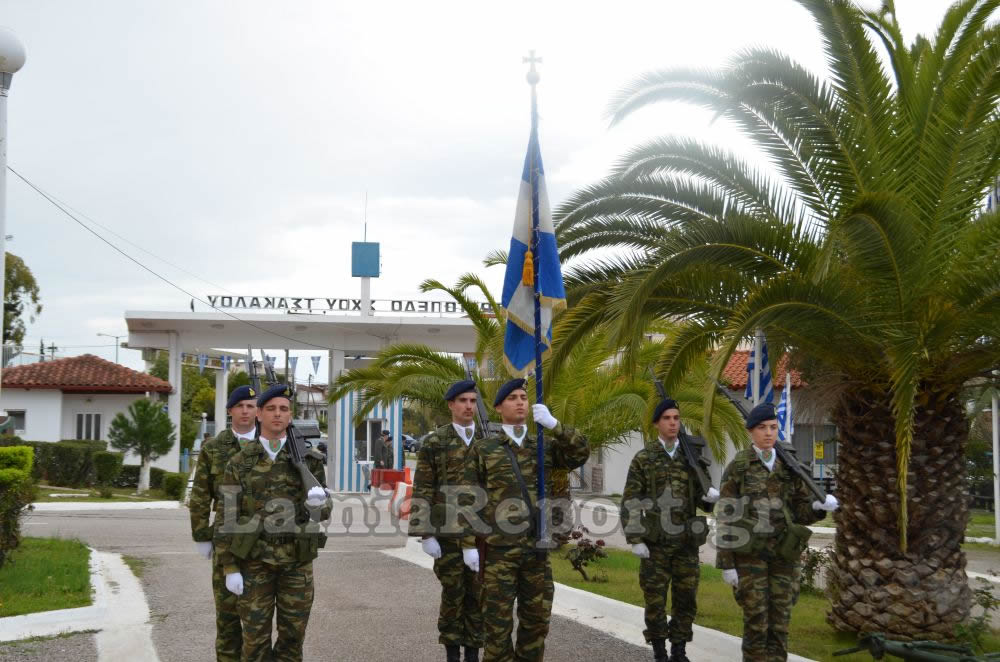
(519, 284)
(784, 412)
(766, 389)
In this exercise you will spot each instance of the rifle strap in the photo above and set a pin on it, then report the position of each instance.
(520, 482)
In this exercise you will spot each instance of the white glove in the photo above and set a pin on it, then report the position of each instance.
(640, 550)
(471, 557)
(712, 496)
(234, 582)
(731, 577)
(830, 505)
(431, 547)
(315, 497)
(543, 416)
(204, 549)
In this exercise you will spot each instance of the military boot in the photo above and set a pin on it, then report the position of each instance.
(471, 654)
(677, 652)
(453, 653)
(659, 650)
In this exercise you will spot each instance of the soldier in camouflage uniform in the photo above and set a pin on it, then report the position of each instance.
(514, 567)
(660, 520)
(204, 499)
(270, 534)
(385, 458)
(441, 463)
(762, 501)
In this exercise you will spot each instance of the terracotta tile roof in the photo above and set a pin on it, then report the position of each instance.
(735, 373)
(82, 373)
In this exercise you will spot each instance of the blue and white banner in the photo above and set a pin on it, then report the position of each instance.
(764, 375)
(315, 362)
(518, 287)
(225, 362)
(786, 424)
(202, 360)
(292, 362)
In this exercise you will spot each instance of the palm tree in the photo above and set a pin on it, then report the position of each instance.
(858, 248)
(146, 431)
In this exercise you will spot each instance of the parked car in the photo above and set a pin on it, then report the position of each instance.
(410, 444)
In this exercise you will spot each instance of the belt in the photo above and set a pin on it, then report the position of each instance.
(278, 538)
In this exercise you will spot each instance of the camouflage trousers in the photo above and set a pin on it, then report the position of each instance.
(665, 566)
(516, 573)
(460, 621)
(767, 591)
(228, 632)
(287, 587)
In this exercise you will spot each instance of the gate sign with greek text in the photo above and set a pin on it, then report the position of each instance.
(337, 304)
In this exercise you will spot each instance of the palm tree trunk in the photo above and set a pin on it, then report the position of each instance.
(874, 586)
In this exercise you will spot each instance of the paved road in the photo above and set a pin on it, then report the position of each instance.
(369, 606)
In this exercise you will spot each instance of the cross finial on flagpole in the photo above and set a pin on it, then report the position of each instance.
(532, 76)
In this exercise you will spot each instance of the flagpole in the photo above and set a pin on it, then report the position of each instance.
(757, 361)
(788, 403)
(533, 79)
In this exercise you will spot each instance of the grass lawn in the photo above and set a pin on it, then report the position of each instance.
(45, 574)
(809, 633)
(981, 524)
(43, 494)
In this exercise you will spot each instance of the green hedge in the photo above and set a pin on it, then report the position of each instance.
(107, 466)
(129, 477)
(17, 491)
(67, 463)
(173, 485)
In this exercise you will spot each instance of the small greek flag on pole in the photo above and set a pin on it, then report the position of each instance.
(762, 376)
(523, 267)
(786, 426)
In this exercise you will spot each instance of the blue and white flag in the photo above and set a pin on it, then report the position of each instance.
(766, 389)
(784, 412)
(202, 360)
(292, 362)
(518, 286)
(225, 360)
(315, 362)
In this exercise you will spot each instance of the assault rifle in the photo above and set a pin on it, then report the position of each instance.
(915, 651)
(688, 445)
(296, 442)
(783, 449)
(484, 427)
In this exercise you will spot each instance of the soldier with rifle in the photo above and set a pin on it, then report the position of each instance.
(763, 514)
(666, 484)
(440, 465)
(270, 534)
(503, 466)
(206, 499)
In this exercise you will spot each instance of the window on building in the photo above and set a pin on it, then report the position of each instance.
(88, 426)
(364, 434)
(19, 417)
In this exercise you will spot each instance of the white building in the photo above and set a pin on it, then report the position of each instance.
(75, 398)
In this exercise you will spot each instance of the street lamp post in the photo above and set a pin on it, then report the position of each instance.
(117, 344)
(11, 61)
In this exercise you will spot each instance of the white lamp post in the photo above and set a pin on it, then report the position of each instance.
(11, 61)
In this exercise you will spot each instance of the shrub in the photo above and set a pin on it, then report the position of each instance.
(173, 484)
(585, 552)
(156, 478)
(129, 477)
(71, 462)
(17, 489)
(107, 466)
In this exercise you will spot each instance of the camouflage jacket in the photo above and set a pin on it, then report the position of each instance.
(653, 475)
(440, 463)
(758, 496)
(384, 456)
(266, 501)
(212, 460)
(489, 467)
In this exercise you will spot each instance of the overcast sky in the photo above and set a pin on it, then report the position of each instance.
(236, 140)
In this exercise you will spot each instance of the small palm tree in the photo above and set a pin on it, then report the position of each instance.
(861, 251)
(147, 432)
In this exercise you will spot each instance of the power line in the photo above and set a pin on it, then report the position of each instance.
(142, 266)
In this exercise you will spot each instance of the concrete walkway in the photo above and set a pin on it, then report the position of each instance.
(86, 506)
(119, 611)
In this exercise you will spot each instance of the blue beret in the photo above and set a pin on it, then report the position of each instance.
(506, 390)
(762, 412)
(239, 394)
(276, 391)
(664, 405)
(458, 388)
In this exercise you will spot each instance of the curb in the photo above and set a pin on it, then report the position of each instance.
(56, 506)
(119, 614)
